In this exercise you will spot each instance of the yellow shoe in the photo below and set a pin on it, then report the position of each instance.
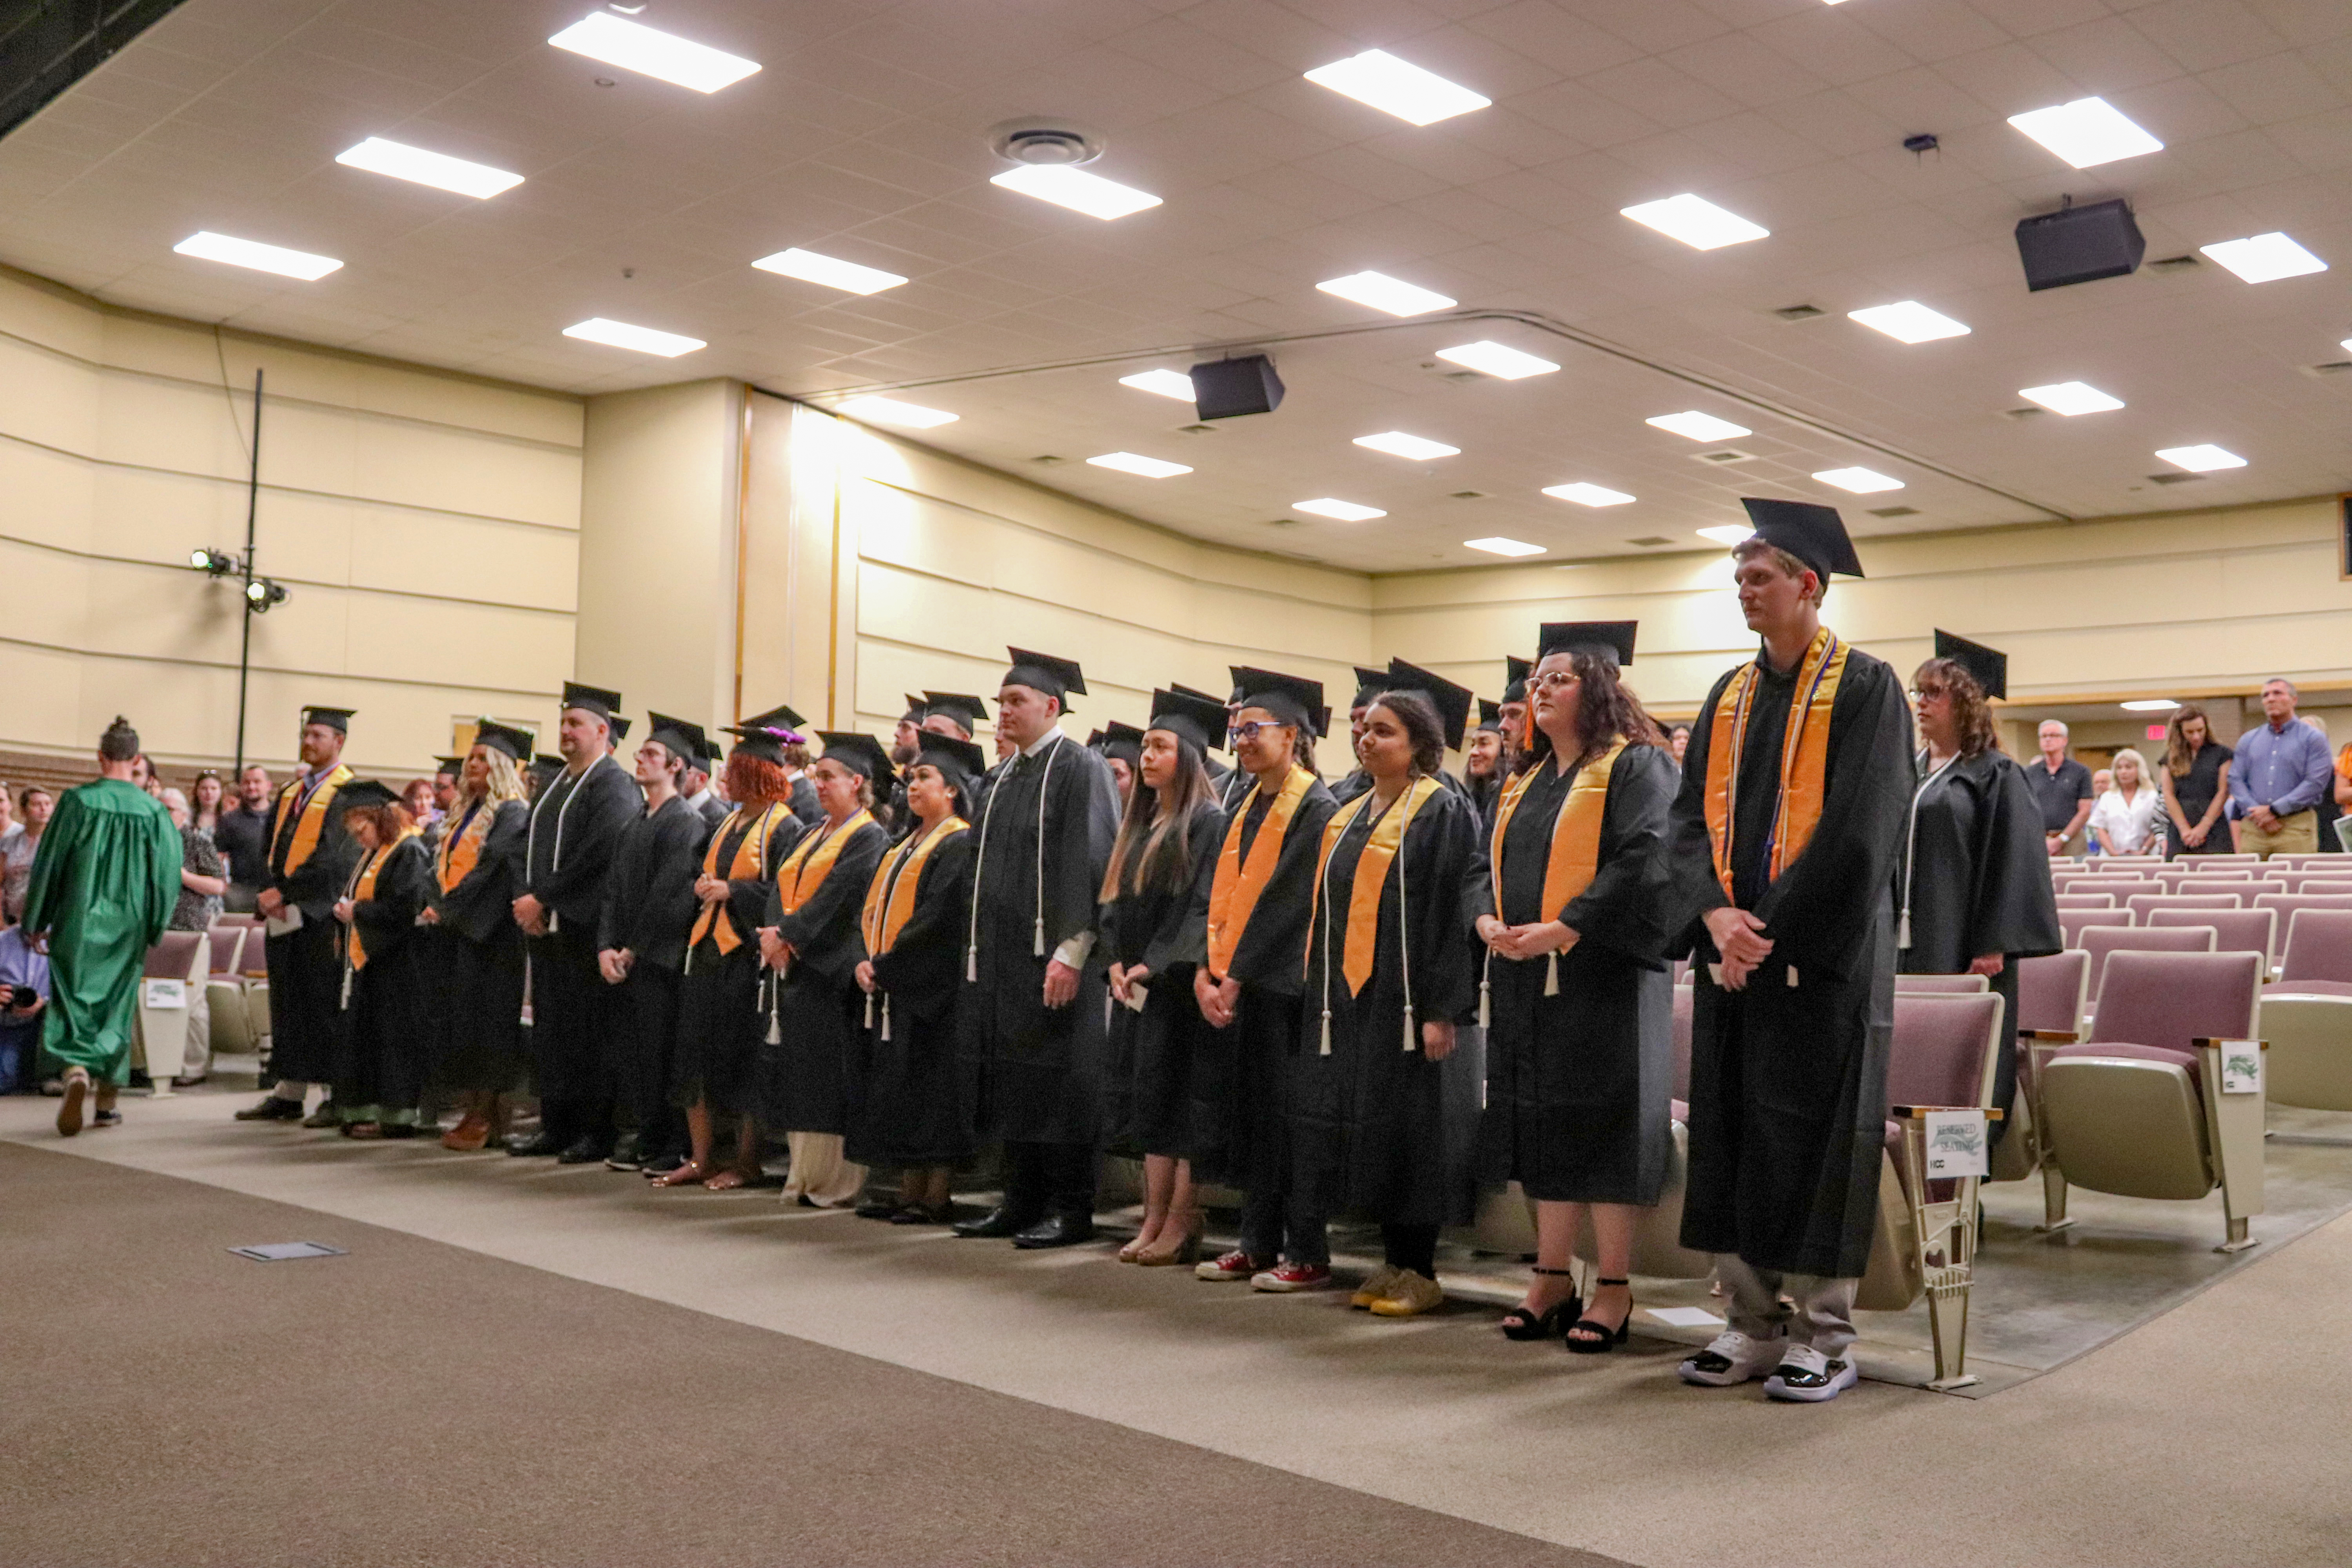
(1409, 1295)
(1375, 1286)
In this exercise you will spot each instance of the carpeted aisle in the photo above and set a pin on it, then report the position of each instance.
(165, 1402)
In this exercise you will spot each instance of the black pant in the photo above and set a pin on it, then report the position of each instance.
(1413, 1247)
(647, 1041)
(1269, 1220)
(306, 1002)
(572, 1019)
(1049, 1178)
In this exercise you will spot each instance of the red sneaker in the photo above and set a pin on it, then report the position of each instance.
(1233, 1265)
(1292, 1277)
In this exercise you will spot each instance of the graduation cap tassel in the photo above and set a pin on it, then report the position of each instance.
(1551, 974)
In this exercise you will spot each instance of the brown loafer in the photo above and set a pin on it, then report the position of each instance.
(469, 1136)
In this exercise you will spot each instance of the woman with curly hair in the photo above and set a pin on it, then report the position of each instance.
(473, 950)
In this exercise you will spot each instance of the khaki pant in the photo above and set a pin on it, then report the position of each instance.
(2296, 835)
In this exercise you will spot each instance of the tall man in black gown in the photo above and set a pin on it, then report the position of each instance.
(1031, 1017)
(1781, 854)
(576, 821)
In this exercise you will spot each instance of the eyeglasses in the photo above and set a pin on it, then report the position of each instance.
(1552, 679)
(1256, 727)
(1930, 693)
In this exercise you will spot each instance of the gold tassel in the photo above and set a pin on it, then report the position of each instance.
(1409, 1040)
(1551, 974)
(1326, 1033)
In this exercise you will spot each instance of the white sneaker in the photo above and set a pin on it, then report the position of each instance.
(1807, 1375)
(1732, 1358)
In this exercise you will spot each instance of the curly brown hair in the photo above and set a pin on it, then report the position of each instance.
(754, 782)
(1606, 711)
(389, 820)
(1418, 716)
(2176, 754)
(1972, 713)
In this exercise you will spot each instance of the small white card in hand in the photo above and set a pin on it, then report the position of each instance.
(167, 994)
(2241, 1067)
(1955, 1144)
(1136, 994)
(288, 917)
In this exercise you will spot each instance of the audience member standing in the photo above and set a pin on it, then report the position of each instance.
(23, 994)
(2195, 780)
(2061, 787)
(2125, 820)
(243, 837)
(16, 851)
(202, 882)
(2279, 775)
(101, 893)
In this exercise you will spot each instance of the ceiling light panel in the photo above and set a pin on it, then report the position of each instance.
(1397, 87)
(2265, 258)
(1173, 384)
(832, 272)
(1697, 222)
(2086, 132)
(1698, 427)
(2203, 458)
(1498, 545)
(1861, 481)
(440, 171)
(890, 411)
(644, 340)
(206, 245)
(1583, 494)
(1339, 511)
(1383, 292)
(2071, 397)
(1909, 322)
(1728, 533)
(649, 51)
(1075, 189)
(1397, 443)
(2150, 705)
(1134, 463)
(1497, 360)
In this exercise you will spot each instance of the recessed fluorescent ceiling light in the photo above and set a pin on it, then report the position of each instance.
(2087, 131)
(645, 339)
(1861, 481)
(1129, 463)
(2265, 257)
(1397, 443)
(649, 51)
(1695, 221)
(1342, 511)
(1397, 87)
(1495, 359)
(210, 246)
(1075, 189)
(1173, 384)
(1588, 495)
(1726, 533)
(1908, 320)
(1383, 292)
(2202, 460)
(2071, 397)
(2150, 705)
(1498, 545)
(1699, 426)
(890, 411)
(443, 173)
(831, 271)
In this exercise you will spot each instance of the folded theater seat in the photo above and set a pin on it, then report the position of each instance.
(1940, 984)
(2308, 1015)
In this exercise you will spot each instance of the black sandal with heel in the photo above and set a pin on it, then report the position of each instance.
(1524, 1323)
(1601, 1338)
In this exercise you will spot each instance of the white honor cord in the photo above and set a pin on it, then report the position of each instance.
(351, 891)
(978, 865)
(1044, 789)
(555, 862)
(1405, 931)
(1910, 846)
(1327, 955)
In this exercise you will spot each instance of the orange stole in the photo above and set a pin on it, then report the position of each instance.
(1362, 941)
(1235, 893)
(804, 869)
(750, 863)
(461, 851)
(890, 897)
(363, 888)
(313, 821)
(1804, 757)
(1575, 833)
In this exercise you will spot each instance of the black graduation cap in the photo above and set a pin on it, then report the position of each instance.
(1515, 678)
(1291, 698)
(1490, 716)
(779, 716)
(1043, 672)
(364, 795)
(1124, 741)
(620, 728)
(966, 709)
(545, 760)
(860, 754)
(452, 766)
(683, 739)
(1453, 702)
(916, 708)
(1192, 716)
(1614, 638)
(594, 698)
(1369, 683)
(712, 751)
(338, 720)
(959, 761)
(1988, 664)
(1813, 534)
(514, 742)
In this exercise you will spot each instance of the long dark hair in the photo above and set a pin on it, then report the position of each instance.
(1972, 713)
(1606, 711)
(1421, 725)
(2176, 754)
(1152, 852)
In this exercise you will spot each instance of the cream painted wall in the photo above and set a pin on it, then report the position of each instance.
(426, 524)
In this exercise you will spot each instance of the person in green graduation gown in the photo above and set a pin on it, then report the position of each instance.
(104, 886)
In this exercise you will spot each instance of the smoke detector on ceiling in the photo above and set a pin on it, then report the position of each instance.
(1045, 140)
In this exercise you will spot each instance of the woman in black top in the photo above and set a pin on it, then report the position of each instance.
(382, 1055)
(2195, 780)
(472, 948)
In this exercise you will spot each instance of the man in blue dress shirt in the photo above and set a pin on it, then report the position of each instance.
(2278, 778)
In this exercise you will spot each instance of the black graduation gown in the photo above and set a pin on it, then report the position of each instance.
(1580, 1084)
(305, 964)
(816, 1006)
(1980, 883)
(720, 1024)
(1787, 1085)
(649, 908)
(906, 1090)
(385, 1050)
(1241, 1076)
(804, 804)
(575, 825)
(474, 958)
(1147, 1094)
(1378, 1129)
(1037, 1071)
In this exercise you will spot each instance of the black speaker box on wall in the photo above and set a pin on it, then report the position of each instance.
(2079, 245)
(1228, 388)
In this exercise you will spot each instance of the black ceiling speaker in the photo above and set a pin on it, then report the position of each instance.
(1229, 388)
(2079, 245)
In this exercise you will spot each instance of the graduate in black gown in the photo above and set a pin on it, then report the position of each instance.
(1580, 1002)
(1164, 856)
(716, 1059)
(1369, 684)
(649, 907)
(1120, 746)
(907, 1099)
(1784, 840)
(1031, 1015)
(1974, 887)
(1378, 1127)
(383, 1052)
(813, 945)
(473, 949)
(1251, 926)
(1487, 766)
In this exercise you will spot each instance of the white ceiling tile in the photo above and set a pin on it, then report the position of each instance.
(2203, 34)
(2105, 56)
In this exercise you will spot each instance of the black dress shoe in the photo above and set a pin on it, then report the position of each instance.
(586, 1152)
(997, 1222)
(1056, 1230)
(401, 1130)
(537, 1145)
(661, 1166)
(625, 1155)
(878, 1209)
(272, 1109)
